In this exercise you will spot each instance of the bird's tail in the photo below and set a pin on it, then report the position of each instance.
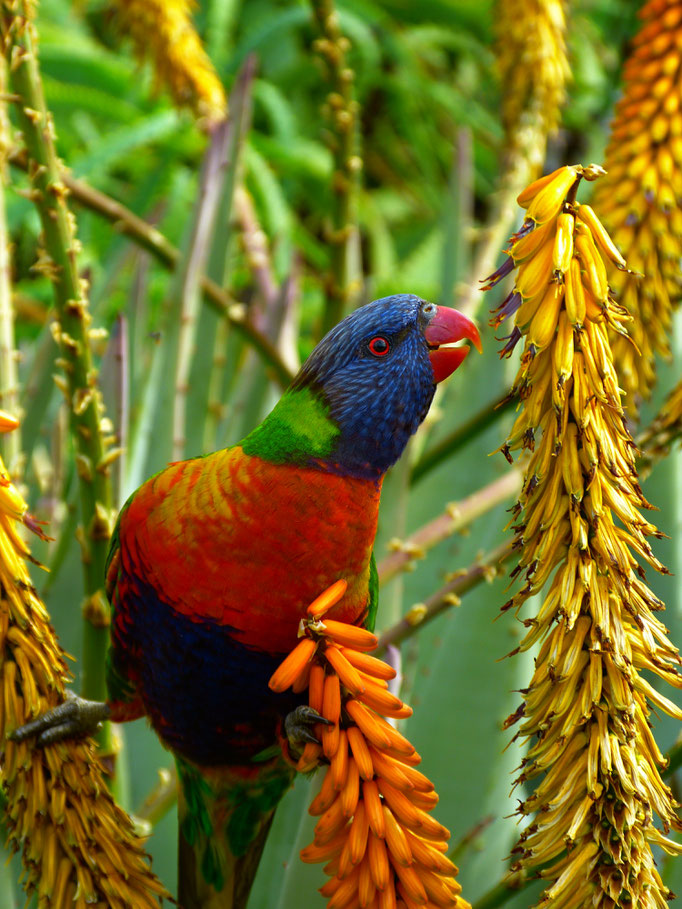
(224, 819)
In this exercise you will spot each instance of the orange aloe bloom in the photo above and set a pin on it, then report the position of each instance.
(382, 848)
(592, 765)
(638, 200)
(164, 30)
(77, 845)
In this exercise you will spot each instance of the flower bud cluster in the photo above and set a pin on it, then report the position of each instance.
(592, 763)
(382, 848)
(77, 845)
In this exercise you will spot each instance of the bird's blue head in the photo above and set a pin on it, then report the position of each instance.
(366, 387)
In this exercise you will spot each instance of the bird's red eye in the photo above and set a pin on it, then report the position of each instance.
(379, 346)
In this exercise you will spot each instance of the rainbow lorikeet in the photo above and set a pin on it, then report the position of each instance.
(215, 559)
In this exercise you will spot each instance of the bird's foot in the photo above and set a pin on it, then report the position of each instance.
(298, 726)
(74, 717)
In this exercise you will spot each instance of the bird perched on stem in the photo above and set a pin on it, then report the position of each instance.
(215, 559)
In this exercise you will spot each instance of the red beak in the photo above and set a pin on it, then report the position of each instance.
(446, 327)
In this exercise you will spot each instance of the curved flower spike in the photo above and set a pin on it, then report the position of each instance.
(580, 531)
(382, 846)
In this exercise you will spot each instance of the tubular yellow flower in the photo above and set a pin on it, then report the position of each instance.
(77, 846)
(533, 72)
(382, 846)
(638, 199)
(164, 29)
(591, 755)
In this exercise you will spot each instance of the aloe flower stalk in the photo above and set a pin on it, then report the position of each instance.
(78, 847)
(382, 847)
(582, 540)
(638, 199)
(163, 29)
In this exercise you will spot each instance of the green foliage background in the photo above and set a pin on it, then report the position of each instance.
(425, 81)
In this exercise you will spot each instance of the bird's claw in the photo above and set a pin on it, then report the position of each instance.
(298, 724)
(74, 717)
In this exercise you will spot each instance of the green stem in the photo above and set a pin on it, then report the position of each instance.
(71, 327)
(342, 110)
(445, 598)
(9, 381)
(148, 237)
(456, 517)
(161, 799)
(460, 437)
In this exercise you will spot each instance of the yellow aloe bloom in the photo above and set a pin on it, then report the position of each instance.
(533, 73)
(638, 200)
(582, 542)
(375, 832)
(163, 29)
(77, 845)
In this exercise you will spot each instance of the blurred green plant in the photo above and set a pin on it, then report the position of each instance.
(255, 284)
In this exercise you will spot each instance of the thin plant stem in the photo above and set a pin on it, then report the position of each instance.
(9, 381)
(459, 215)
(456, 517)
(493, 236)
(341, 110)
(122, 402)
(460, 437)
(486, 569)
(187, 285)
(148, 237)
(71, 330)
(257, 254)
(160, 800)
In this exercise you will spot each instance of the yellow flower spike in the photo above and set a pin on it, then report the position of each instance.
(59, 813)
(593, 270)
(533, 70)
(164, 30)
(579, 529)
(526, 196)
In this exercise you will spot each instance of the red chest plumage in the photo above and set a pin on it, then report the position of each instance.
(249, 544)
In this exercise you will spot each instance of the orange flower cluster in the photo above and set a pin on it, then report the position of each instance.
(638, 200)
(382, 847)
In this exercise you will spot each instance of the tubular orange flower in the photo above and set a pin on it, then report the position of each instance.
(77, 845)
(638, 200)
(329, 598)
(591, 755)
(294, 665)
(383, 847)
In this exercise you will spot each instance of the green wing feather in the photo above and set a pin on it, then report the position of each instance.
(373, 602)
